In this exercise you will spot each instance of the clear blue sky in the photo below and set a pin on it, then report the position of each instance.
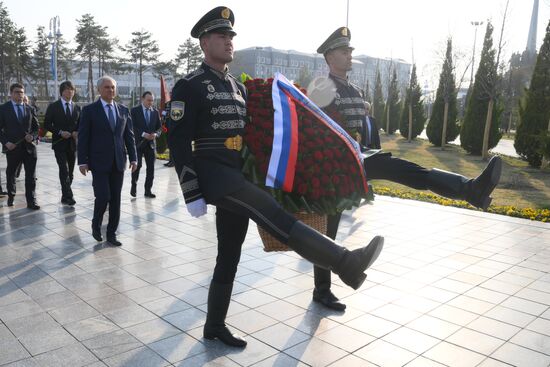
(379, 28)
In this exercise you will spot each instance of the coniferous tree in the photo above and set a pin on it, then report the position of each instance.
(391, 112)
(412, 100)
(366, 93)
(481, 98)
(42, 55)
(7, 48)
(377, 108)
(88, 38)
(535, 111)
(445, 98)
(143, 50)
(189, 57)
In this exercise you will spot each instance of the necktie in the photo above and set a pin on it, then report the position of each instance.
(147, 117)
(111, 117)
(20, 113)
(67, 110)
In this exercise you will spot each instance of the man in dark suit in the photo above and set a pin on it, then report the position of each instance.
(146, 121)
(18, 130)
(105, 136)
(61, 119)
(372, 136)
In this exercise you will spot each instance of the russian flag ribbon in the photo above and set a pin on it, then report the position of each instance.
(282, 164)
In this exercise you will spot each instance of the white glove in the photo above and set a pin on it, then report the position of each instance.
(197, 208)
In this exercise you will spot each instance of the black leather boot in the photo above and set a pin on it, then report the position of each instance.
(219, 296)
(475, 191)
(324, 252)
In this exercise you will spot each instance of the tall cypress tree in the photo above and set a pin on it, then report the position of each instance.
(445, 95)
(42, 55)
(414, 93)
(142, 49)
(391, 112)
(378, 98)
(483, 92)
(535, 111)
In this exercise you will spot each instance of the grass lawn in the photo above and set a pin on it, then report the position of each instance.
(520, 185)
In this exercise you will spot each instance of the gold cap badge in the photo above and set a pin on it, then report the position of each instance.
(226, 13)
(344, 32)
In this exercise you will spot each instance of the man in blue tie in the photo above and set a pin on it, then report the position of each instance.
(146, 121)
(18, 131)
(105, 134)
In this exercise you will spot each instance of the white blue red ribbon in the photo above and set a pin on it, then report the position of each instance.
(282, 164)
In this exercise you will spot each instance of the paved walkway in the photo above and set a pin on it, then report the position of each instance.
(452, 288)
(504, 146)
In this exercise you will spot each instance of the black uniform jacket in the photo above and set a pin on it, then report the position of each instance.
(207, 107)
(56, 120)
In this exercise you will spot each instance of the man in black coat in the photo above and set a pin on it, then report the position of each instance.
(147, 128)
(105, 137)
(18, 131)
(62, 117)
(371, 131)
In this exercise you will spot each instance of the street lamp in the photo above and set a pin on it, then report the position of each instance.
(475, 24)
(53, 37)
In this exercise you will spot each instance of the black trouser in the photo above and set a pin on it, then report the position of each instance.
(65, 160)
(383, 166)
(322, 277)
(107, 191)
(150, 162)
(232, 216)
(16, 157)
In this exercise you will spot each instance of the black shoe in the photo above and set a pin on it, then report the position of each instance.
(113, 241)
(225, 336)
(475, 191)
(359, 260)
(70, 201)
(484, 184)
(169, 164)
(133, 191)
(150, 195)
(325, 253)
(3, 193)
(33, 206)
(10, 200)
(328, 299)
(96, 234)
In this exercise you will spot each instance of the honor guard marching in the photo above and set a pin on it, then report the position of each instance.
(347, 108)
(208, 109)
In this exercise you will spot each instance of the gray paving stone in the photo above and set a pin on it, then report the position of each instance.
(140, 357)
(110, 344)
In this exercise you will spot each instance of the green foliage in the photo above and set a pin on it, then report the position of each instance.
(484, 89)
(377, 107)
(414, 93)
(446, 92)
(142, 50)
(535, 111)
(162, 143)
(189, 57)
(392, 104)
(41, 53)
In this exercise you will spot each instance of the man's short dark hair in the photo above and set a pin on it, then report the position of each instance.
(146, 93)
(67, 84)
(16, 85)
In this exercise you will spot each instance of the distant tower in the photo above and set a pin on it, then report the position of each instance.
(532, 38)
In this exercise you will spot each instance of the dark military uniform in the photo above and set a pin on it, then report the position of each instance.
(208, 109)
(348, 106)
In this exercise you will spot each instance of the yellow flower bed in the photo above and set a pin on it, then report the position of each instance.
(542, 215)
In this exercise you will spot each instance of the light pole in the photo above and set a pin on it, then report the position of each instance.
(53, 37)
(475, 24)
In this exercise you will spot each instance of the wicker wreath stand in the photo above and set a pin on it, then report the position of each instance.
(316, 221)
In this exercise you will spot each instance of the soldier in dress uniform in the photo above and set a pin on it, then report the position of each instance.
(208, 108)
(348, 109)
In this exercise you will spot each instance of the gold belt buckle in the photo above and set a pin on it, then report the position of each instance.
(234, 143)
